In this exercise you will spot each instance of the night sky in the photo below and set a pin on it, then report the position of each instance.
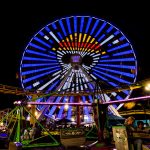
(20, 21)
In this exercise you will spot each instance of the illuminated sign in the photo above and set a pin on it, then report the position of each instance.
(76, 59)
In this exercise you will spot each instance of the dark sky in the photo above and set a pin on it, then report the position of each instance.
(20, 21)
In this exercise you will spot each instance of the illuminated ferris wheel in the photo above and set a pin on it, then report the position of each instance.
(71, 54)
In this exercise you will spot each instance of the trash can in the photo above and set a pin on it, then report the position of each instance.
(15, 146)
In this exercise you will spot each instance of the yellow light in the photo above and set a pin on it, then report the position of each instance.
(29, 106)
(84, 37)
(92, 40)
(75, 34)
(53, 49)
(88, 39)
(36, 113)
(71, 37)
(95, 100)
(103, 52)
(92, 50)
(1, 124)
(80, 37)
(129, 105)
(147, 87)
(67, 39)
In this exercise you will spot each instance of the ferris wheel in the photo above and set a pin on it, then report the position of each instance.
(73, 53)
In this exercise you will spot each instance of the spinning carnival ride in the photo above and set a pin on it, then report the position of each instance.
(73, 54)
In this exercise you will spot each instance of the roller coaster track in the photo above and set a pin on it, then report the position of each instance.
(5, 89)
(131, 112)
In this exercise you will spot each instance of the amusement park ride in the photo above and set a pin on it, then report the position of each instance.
(100, 115)
(81, 62)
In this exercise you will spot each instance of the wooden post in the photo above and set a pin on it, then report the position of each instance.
(33, 110)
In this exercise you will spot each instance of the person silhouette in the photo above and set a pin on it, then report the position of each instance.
(129, 122)
(138, 142)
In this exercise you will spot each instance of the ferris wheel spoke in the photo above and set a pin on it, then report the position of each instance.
(37, 47)
(116, 72)
(48, 83)
(39, 54)
(117, 66)
(69, 114)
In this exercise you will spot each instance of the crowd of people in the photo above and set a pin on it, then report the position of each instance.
(135, 141)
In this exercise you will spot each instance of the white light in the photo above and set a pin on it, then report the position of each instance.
(36, 83)
(106, 40)
(48, 83)
(96, 55)
(96, 58)
(93, 76)
(60, 52)
(66, 99)
(82, 146)
(86, 117)
(52, 34)
(72, 119)
(66, 107)
(46, 37)
(59, 55)
(28, 118)
(95, 61)
(115, 42)
(19, 102)
(56, 73)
